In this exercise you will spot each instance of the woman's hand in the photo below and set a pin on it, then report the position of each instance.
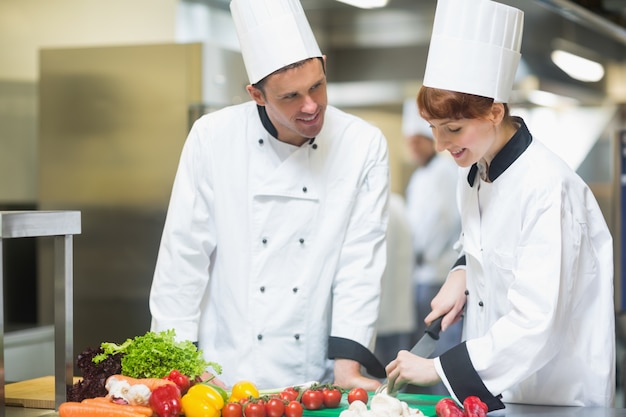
(449, 301)
(408, 368)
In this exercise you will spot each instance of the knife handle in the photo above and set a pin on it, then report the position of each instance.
(434, 328)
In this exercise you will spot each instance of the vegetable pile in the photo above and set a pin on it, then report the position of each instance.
(152, 355)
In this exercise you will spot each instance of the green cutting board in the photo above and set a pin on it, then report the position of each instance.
(425, 403)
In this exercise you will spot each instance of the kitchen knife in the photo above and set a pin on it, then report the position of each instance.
(426, 345)
(423, 348)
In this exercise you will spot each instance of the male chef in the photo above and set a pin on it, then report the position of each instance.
(274, 243)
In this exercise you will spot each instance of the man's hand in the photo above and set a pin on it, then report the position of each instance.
(348, 376)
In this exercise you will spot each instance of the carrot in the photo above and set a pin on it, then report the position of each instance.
(105, 401)
(151, 383)
(76, 409)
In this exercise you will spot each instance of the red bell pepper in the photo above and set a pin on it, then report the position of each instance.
(446, 407)
(165, 401)
(474, 407)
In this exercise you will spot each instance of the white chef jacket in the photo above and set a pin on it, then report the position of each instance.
(261, 260)
(434, 218)
(539, 322)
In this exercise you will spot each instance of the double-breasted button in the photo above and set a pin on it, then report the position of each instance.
(294, 289)
(466, 292)
(259, 336)
(264, 241)
(296, 336)
(480, 304)
(262, 289)
(314, 146)
(304, 189)
(260, 141)
(301, 241)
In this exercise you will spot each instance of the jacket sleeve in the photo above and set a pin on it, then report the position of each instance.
(356, 289)
(188, 240)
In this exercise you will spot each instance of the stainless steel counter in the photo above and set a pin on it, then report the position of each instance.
(515, 410)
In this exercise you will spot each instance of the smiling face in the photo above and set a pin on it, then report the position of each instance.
(467, 140)
(295, 100)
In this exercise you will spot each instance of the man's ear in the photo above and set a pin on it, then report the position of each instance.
(256, 94)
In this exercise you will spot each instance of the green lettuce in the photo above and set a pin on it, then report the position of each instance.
(154, 355)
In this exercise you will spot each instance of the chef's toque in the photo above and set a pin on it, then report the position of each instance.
(272, 35)
(412, 122)
(475, 48)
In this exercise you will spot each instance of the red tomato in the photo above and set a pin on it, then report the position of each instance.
(253, 409)
(294, 409)
(274, 407)
(289, 394)
(332, 397)
(232, 410)
(312, 399)
(357, 394)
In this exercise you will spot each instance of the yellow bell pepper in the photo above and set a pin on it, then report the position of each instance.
(242, 390)
(202, 401)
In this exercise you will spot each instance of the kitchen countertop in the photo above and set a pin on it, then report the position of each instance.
(511, 410)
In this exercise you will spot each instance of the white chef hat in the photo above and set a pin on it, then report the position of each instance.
(412, 122)
(272, 35)
(475, 48)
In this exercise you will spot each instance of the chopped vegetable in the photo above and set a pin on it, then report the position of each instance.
(154, 355)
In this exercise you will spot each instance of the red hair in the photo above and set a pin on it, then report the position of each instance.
(434, 103)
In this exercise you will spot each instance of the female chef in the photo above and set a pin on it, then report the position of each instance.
(536, 271)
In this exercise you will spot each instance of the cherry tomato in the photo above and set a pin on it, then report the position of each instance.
(182, 381)
(294, 409)
(289, 394)
(254, 409)
(357, 394)
(332, 397)
(312, 399)
(274, 407)
(232, 410)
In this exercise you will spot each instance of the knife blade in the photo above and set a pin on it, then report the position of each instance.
(423, 348)
(426, 345)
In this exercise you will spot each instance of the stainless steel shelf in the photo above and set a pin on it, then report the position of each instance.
(61, 225)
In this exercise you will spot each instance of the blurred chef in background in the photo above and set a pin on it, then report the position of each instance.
(435, 226)
(274, 243)
(396, 321)
(536, 273)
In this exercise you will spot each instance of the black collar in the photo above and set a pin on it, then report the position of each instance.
(507, 155)
(265, 120)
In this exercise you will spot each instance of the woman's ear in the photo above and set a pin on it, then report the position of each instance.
(256, 94)
(497, 113)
